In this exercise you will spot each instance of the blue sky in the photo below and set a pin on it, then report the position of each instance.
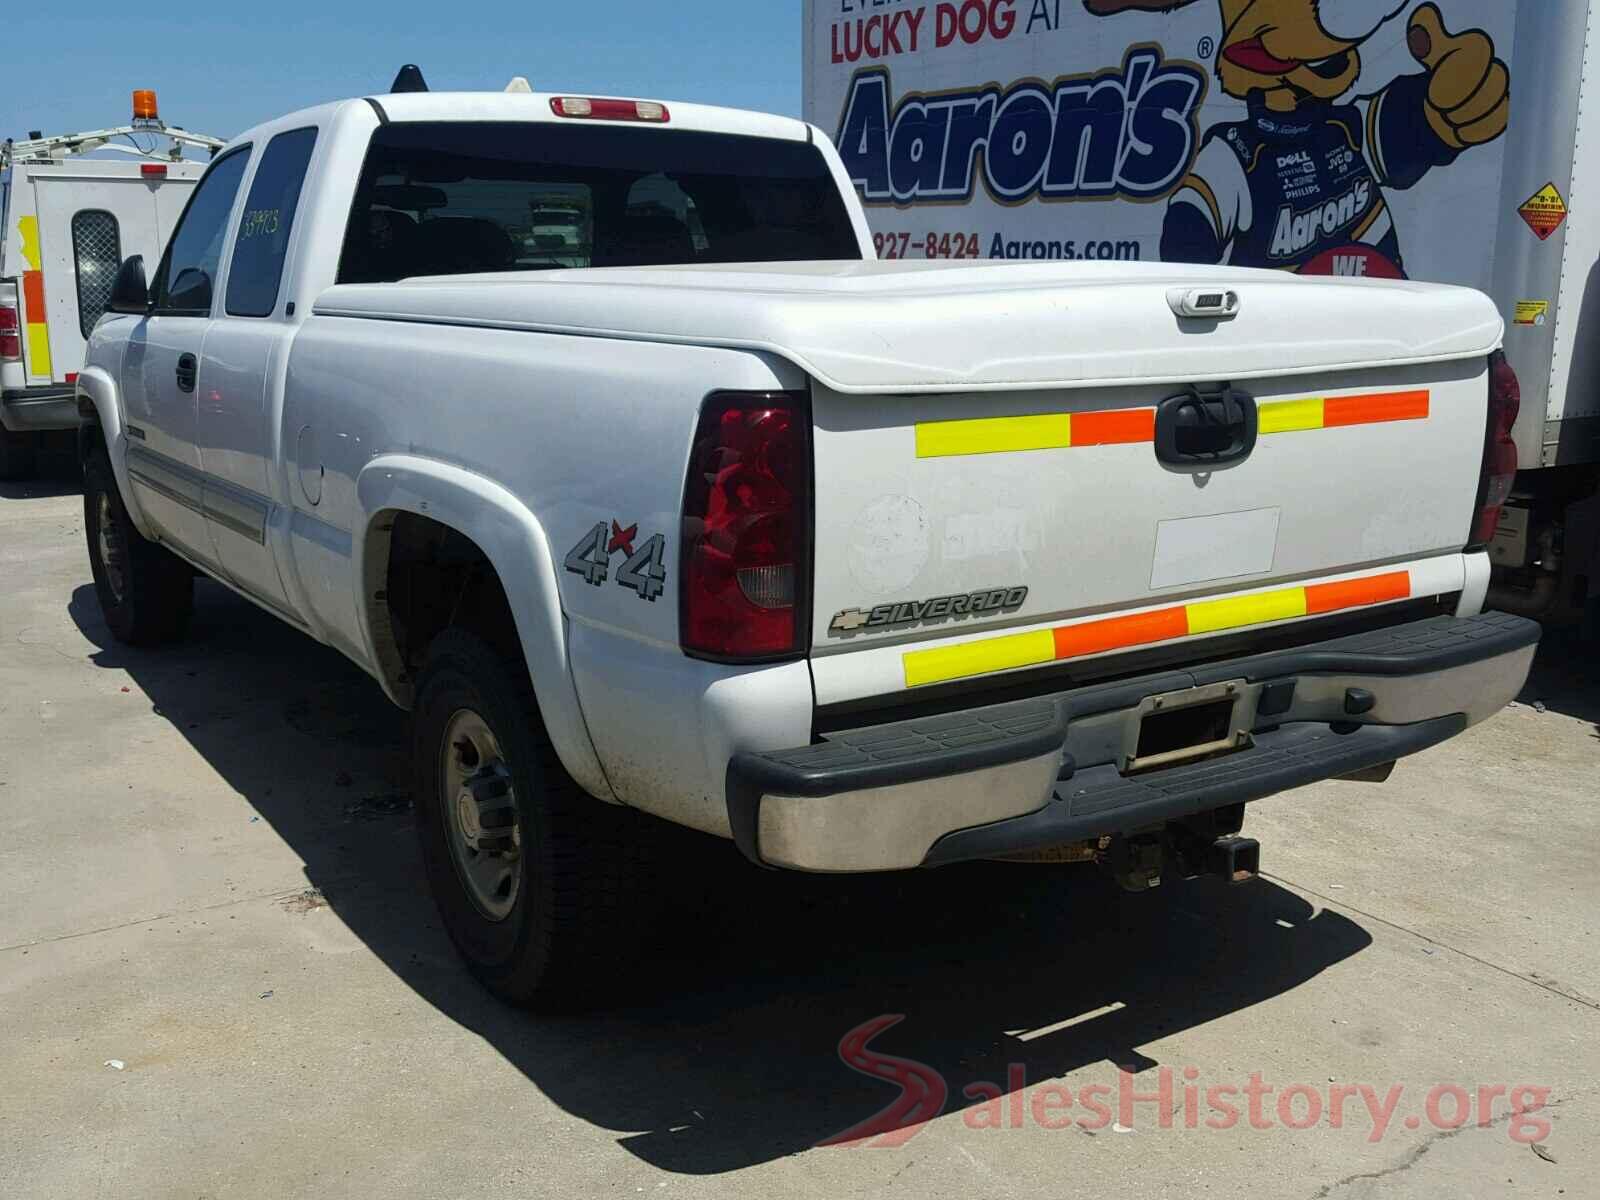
(221, 67)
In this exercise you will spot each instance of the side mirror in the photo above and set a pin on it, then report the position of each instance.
(130, 293)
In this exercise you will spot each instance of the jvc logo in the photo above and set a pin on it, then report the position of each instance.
(1128, 132)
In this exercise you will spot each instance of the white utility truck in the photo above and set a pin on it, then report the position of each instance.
(67, 220)
(862, 565)
(1455, 141)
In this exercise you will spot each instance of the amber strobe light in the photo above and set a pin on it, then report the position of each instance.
(747, 529)
(144, 105)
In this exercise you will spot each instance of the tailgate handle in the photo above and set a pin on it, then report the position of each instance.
(1206, 429)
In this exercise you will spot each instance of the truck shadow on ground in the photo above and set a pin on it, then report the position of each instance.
(720, 1048)
(57, 475)
(1566, 677)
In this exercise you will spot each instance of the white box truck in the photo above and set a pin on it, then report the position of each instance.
(66, 223)
(1453, 142)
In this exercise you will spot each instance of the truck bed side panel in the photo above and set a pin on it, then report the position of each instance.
(581, 449)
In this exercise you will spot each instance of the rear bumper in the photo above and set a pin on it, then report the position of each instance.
(24, 410)
(1009, 778)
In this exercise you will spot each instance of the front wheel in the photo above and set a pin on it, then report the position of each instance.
(146, 592)
(531, 875)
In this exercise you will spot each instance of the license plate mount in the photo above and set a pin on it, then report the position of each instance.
(1196, 723)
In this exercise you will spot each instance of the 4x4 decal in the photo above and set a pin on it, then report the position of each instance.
(643, 570)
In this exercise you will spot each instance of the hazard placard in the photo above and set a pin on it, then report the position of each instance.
(1545, 211)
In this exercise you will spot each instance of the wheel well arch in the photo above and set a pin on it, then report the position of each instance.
(101, 427)
(423, 577)
(90, 432)
(442, 543)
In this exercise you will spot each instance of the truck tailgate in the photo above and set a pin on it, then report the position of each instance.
(963, 535)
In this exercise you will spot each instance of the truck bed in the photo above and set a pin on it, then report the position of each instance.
(982, 430)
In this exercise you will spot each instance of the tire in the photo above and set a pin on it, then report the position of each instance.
(552, 938)
(146, 592)
(17, 458)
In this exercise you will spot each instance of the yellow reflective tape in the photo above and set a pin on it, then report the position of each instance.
(38, 349)
(923, 667)
(1214, 615)
(1287, 416)
(994, 435)
(28, 227)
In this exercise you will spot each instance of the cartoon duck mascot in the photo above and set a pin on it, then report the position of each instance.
(1299, 183)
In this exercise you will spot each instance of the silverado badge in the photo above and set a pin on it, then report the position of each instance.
(918, 612)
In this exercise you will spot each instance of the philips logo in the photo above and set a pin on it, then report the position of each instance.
(1121, 132)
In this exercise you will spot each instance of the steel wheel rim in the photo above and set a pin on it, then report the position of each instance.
(479, 806)
(112, 558)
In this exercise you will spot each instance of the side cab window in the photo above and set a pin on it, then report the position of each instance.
(186, 279)
(256, 272)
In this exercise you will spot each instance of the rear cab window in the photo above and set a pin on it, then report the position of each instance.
(256, 272)
(445, 198)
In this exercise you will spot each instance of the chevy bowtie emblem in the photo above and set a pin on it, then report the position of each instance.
(850, 620)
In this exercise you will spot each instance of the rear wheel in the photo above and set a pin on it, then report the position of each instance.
(146, 592)
(532, 876)
(17, 457)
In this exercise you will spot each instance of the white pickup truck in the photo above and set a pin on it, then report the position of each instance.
(862, 565)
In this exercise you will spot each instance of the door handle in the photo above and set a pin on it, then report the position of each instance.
(188, 369)
(1206, 430)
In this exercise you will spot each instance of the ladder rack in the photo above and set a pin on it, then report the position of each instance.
(54, 149)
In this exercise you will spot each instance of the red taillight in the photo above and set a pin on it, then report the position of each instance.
(589, 108)
(153, 170)
(1499, 451)
(747, 528)
(10, 335)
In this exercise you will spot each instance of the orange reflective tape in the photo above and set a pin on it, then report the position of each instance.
(1369, 410)
(1117, 633)
(968, 659)
(33, 295)
(1114, 428)
(1356, 593)
(1133, 426)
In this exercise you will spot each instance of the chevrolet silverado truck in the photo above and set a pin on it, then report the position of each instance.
(863, 566)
